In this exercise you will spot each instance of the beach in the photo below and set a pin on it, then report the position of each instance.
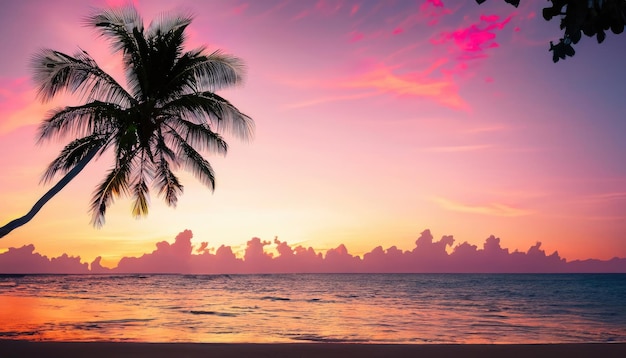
(15, 349)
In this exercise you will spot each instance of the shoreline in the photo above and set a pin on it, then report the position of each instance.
(52, 349)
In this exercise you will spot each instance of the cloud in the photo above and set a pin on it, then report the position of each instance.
(26, 260)
(458, 148)
(429, 255)
(354, 9)
(328, 7)
(18, 106)
(400, 72)
(321, 8)
(494, 209)
(606, 197)
(471, 42)
(327, 99)
(488, 129)
(120, 3)
(356, 36)
(414, 84)
(240, 9)
(433, 10)
(166, 258)
(380, 79)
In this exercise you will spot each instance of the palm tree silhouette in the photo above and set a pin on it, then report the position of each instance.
(163, 120)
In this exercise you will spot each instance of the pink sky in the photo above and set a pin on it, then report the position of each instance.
(374, 120)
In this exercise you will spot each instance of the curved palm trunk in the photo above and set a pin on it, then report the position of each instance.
(49, 194)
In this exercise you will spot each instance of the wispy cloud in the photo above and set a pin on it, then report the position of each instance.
(354, 9)
(433, 10)
(442, 90)
(119, 3)
(400, 71)
(488, 129)
(606, 196)
(471, 42)
(381, 79)
(494, 209)
(240, 9)
(18, 106)
(458, 148)
(328, 99)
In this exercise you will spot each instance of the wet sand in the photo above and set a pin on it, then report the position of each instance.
(15, 349)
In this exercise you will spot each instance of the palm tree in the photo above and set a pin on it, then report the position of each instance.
(165, 117)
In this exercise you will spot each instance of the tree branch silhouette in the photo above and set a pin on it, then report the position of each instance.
(578, 17)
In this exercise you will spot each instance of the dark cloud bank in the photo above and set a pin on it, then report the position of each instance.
(427, 256)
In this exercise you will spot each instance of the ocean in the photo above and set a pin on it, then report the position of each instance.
(364, 308)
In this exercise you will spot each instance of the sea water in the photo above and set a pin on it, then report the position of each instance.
(371, 308)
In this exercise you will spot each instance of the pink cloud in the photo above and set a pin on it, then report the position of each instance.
(327, 99)
(356, 36)
(442, 90)
(397, 31)
(301, 15)
(458, 148)
(166, 258)
(493, 209)
(323, 8)
(470, 42)
(240, 9)
(354, 9)
(18, 106)
(433, 10)
(26, 260)
(255, 257)
(120, 3)
(429, 255)
(328, 7)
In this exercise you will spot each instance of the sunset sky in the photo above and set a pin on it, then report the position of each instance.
(375, 120)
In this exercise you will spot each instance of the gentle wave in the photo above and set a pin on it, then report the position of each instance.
(377, 308)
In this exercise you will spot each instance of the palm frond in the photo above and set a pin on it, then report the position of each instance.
(199, 135)
(197, 72)
(141, 195)
(140, 189)
(124, 29)
(118, 25)
(219, 70)
(168, 24)
(168, 184)
(114, 184)
(163, 152)
(193, 161)
(228, 118)
(72, 154)
(181, 79)
(54, 71)
(93, 117)
(209, 107)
